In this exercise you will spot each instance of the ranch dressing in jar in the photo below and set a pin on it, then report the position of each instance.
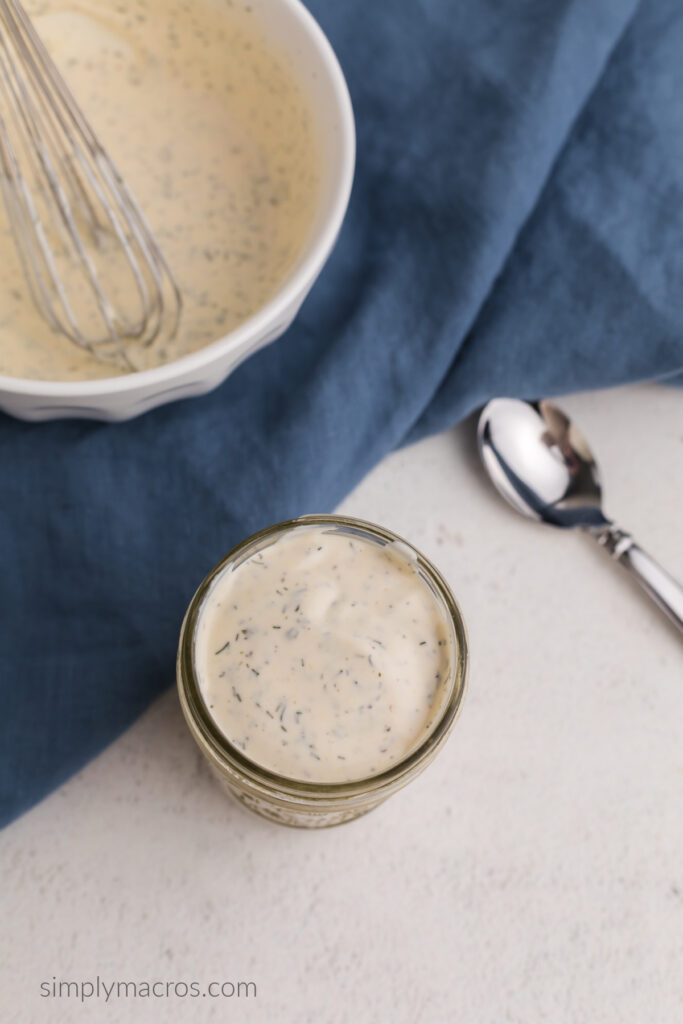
(325, 656)
(321, 667)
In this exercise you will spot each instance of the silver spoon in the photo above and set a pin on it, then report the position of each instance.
(542, 465)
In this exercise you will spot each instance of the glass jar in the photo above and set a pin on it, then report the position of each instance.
(290, 801)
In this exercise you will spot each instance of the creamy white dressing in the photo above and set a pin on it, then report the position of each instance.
(213, 132)
(324, 657)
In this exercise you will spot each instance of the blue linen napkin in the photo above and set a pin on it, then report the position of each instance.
(516, 228)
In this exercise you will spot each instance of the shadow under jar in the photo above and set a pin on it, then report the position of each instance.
(321, 667)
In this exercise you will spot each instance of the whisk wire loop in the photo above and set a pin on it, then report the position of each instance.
(74, 219)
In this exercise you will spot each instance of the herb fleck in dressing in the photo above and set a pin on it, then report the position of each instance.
(324, 657)
(214, 134)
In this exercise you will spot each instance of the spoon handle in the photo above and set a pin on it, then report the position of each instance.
(662, 588)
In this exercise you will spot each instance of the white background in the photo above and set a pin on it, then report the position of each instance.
(534, 873)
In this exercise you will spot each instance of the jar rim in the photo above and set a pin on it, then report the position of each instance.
(226, 755)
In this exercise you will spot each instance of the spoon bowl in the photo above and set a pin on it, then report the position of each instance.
(540, 463)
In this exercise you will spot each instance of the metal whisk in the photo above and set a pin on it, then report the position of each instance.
(94, 269)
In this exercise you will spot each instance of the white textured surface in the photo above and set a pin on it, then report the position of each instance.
(534, 873)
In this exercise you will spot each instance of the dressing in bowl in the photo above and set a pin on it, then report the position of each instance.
(231, 124)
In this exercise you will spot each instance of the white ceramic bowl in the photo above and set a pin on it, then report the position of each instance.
(120, 398)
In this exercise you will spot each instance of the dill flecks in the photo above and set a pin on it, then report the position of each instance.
(350, 663)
